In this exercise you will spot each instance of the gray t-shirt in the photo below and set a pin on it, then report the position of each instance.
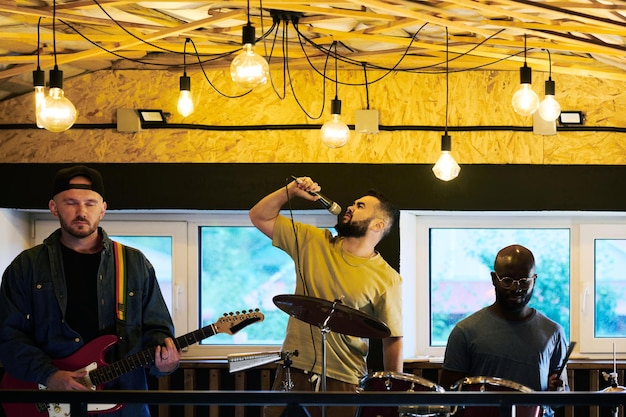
(524, 352)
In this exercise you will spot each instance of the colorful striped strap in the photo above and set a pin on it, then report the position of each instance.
(120, 279)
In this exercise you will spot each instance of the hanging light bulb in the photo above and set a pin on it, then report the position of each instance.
(185, 100)
(249, 69)
(549, 108)
(57, 112)
(525, 101)
(446, 168)
(335, 132)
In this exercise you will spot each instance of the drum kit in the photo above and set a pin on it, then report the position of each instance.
(334, 316)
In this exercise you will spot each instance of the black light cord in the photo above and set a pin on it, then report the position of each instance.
(447, 74)
(549, 65)
(524, 49)
(206, 77)
(54, 31)
(336, 72)
(367, 91)
(185, 56)
(287, 79)
(38, 41)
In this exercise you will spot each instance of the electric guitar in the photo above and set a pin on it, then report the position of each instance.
(90, 358)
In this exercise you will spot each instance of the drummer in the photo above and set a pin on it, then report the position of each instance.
(346, 267)
(509, 339)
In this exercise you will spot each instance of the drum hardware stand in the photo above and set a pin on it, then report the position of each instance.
(324, 330)
(614, 386)
(291, 410)
(288, 382)
(319, 312)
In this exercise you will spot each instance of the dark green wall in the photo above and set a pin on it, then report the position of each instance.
(240, 186)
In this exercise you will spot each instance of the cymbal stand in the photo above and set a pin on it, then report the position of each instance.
(325, 329)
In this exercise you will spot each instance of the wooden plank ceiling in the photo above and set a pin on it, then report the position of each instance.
(583, 37)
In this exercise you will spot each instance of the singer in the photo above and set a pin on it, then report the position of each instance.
(345, 267)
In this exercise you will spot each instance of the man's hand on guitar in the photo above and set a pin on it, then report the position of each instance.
(67, 381)
(166, 357)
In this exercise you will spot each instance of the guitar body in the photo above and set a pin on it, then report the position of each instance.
(89, 357)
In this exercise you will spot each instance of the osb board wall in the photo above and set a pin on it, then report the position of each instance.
(479, 98)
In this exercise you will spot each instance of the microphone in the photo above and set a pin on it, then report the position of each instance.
(328, 204)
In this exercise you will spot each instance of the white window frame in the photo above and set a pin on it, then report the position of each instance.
(316, 218)
(183, 228)
(588, 234)
(414, 266)
(177, 230)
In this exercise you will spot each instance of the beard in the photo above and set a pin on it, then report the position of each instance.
(352, 228)
(514, 306)
(78, 232)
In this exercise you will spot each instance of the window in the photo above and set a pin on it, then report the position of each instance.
(461, 260)
(446, 262)
(163, 243)
(213, 266)
(240, 269)
(603, 295)
(211, 263)
(234, 267)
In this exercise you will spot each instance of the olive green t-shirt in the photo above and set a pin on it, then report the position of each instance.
(324, 270)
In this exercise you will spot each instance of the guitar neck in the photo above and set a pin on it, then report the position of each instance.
(145, 358)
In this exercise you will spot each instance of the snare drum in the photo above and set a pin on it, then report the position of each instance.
(393, 381)
(482, 384)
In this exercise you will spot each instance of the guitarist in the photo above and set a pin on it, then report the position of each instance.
(60, 295)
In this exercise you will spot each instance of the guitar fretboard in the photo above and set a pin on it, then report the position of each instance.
(229, 323)
(145, 357)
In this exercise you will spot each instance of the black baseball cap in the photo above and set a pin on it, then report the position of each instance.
(64, 175)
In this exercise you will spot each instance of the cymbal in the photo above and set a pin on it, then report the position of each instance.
(344, 319)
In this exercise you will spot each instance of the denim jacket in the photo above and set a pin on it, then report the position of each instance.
(33, 300)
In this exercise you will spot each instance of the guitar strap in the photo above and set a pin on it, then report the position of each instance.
(120, 280)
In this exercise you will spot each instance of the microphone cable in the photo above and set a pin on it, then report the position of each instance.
(299, 273)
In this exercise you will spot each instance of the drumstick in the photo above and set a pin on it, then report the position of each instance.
(570, 349)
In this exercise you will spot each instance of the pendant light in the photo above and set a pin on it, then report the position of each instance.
(249, 69)
(446, 168)
(335, 132)
(185, 100)
(57, 112)
(549, 108)
(525, 101)
(39, 83)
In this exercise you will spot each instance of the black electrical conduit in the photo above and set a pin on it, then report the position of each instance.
(218, 128)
